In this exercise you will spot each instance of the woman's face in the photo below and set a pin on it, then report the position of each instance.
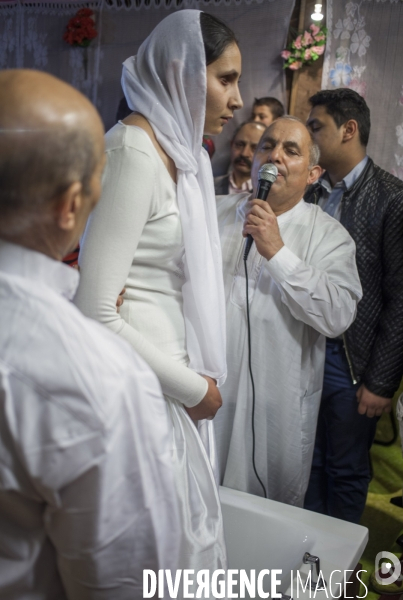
(223, 95)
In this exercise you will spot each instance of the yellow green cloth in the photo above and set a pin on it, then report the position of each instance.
(384, 520)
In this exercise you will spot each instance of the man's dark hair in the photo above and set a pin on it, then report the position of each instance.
(216, 36)
(344, 104)
(277, 109)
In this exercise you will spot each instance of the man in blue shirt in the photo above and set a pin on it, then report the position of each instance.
(363, 368)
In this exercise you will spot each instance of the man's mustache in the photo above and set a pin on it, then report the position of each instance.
(246, 161)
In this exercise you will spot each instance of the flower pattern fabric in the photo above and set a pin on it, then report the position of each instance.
(353, 38)
(360, 56)
(340, 76)
(360, 41)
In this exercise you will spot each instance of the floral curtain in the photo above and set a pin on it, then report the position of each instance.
(365, 53)
(31, 37)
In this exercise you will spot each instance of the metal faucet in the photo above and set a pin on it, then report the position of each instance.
(311, 560)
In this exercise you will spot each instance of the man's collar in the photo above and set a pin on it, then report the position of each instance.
(324, 182)
(347, 181)
(245, 187)
(351, 178)
(38, 268)
(243, 199)
(292, 212)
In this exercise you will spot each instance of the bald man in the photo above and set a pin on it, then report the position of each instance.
(87, 499)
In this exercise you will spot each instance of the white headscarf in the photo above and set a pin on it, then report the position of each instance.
(166, 83)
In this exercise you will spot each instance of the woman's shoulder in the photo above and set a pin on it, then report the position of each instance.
(129, 136)
(137, 121)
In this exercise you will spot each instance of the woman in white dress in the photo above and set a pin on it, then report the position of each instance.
(155, 232)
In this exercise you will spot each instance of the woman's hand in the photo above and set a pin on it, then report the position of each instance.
(207, 408)
(120, 300)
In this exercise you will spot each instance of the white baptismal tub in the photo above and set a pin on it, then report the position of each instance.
(263, 534)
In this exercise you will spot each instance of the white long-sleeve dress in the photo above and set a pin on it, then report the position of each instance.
(307, 291)
(134, 239)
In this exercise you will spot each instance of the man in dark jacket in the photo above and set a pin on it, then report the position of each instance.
(363, 370)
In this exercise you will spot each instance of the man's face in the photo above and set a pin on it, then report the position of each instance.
(326, 134)
(243, 148)
(286, 144)
(262, 114)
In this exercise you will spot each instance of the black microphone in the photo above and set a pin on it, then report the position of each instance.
(266, 177)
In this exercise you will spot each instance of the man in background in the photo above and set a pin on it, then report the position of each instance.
(243, 146)
(303, 286)
(87, 498)
(363, 370)
(267, 110)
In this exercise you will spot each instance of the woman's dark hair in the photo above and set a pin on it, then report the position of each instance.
(216, 36)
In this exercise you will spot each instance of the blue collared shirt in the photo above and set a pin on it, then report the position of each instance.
(330, 200)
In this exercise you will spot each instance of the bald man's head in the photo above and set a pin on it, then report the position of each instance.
(50, 137)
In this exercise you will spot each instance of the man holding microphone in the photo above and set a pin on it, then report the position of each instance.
(303, 287)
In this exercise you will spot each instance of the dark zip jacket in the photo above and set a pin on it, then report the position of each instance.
(372, 212)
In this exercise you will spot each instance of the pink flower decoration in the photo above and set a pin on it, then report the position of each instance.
(307, 39)
(296, 65)
(318, 49)
(314, 28)
(306, 48)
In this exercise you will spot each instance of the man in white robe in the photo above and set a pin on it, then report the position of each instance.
(303, 286)
(87, 497)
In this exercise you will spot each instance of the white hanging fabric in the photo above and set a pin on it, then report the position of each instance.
(166, 83)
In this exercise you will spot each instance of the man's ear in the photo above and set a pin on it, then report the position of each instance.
(314, 173)
(69, 205)
(350, 130)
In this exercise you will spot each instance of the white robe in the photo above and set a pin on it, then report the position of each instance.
(87, 492)
(307, 291)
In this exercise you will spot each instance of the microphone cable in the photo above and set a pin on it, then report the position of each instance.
(251, 378)
(266, 177)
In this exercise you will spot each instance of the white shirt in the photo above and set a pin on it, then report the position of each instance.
(307, 291)
(87, 498)
(246, 186)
